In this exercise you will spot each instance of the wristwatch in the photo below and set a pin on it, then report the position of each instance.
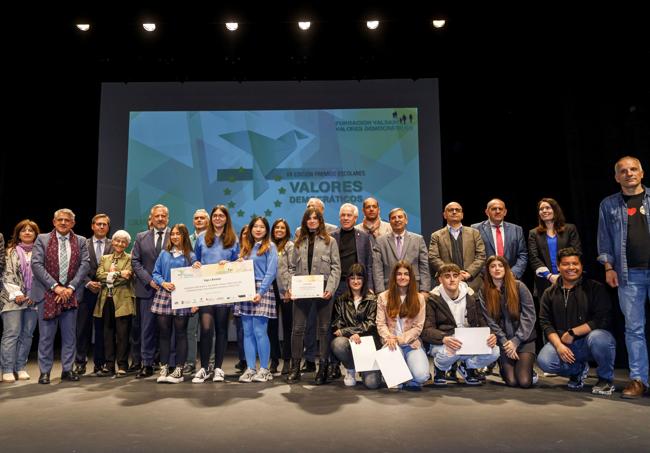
(572, 333)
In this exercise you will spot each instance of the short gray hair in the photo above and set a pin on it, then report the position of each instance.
(122, 234)
(202, 211)
(64, 211)
(159, 206)
(355, 210)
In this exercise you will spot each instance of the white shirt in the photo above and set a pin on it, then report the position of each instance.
(455, 231)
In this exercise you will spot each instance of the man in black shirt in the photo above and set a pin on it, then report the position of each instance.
(574, 315)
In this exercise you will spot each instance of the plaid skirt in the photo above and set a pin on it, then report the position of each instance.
(265, 307)
(162, 304)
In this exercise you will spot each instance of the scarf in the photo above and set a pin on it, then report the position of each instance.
(25, 267)
(52, 308)
(372, 228)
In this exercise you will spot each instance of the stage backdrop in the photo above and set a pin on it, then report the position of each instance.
(160, 144)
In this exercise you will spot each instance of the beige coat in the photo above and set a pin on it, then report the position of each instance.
(412, 327)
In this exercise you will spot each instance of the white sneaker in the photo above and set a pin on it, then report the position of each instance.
(201, 376)
(164, 371)
(247, 376)
(176, 377)
(8, 377)
(350, 379)
(219, 375)
(23, 376)
(263, 375)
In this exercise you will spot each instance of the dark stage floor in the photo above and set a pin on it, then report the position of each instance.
(100, 414)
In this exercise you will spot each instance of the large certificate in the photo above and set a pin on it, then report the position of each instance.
(307, 286)
(213, 284)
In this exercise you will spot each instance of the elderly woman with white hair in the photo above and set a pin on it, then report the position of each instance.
(116, 304)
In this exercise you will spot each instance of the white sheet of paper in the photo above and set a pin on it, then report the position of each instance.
(474, 340)
(393, 366)
(364, 354)
(307, 286)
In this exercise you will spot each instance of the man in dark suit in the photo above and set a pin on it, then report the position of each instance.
(98, 245)
(400, 245)
(458, 244)
(354, 246)
(146, 249)
(503, 238)
(60, 264)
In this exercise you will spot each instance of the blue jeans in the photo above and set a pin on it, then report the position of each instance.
(17, 336)
(418, 364)
(256, 340)
(632, 298)
(599, 345)
(444, 361)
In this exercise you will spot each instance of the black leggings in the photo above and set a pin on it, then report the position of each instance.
(214, 316)
(301, 309)
(518, 373)
(165, 337)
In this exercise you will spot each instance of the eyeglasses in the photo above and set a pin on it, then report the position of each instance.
(454, 210)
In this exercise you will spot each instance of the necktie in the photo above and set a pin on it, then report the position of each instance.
(499, 241)
(98, 250)
(63, 260)
(399, 246)
(159, 242)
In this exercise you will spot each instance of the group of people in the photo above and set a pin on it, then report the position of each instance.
(380, 280)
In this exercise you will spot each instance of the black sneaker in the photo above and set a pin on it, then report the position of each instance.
(470, 375)
(80, 368)
(603, 387)
(439, 377)
(189, 369)
(308, 367)
(273, 369)
(451, 375)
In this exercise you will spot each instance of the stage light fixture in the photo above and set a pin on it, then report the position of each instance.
(83, 27)
(232, 26)
(304, 25)
(439, 23)
(149, 26)
(372, 24)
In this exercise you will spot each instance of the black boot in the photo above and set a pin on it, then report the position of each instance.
(321, 375)
(274, 366)
(334, 371)
(285, 367)
(294, 372)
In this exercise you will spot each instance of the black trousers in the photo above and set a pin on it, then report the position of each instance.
(301, 309)
(116, 337)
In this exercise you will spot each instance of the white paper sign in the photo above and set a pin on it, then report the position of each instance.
(307, 286)
(393, 366)
(474, 340)
(213, 284)
(364, 354)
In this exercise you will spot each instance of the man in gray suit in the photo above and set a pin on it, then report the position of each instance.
(147, 247)
(98, 245)
(503, 238)
(460, 245)
(59, 264)
(400, 245)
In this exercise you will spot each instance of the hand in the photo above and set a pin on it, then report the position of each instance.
(327, 295)
(391, 342)
(223, 262)
(356, 338)
(240, 259)
(513, 355)
(492, 340)
(566, 338)
(154, 285)
(565, 354)
(30, 302)
(169, 286)
(337, 333)
(452, 344)
(194, 309)
(20, 299)
(126, 274)
(68, 293)
(59, 290)
(509, 347)
(257, 298)
(553, 278)
(196, 265)
(287, 297)
(611, 277)
(465, 276)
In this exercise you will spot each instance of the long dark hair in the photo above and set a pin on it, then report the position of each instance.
(186, 243)
(304, 230)
(228, 236)
(281, 243)
(493, 295)
(248, 241)
(411, 306)
(558, 216)
(15, 237)
(357, 270)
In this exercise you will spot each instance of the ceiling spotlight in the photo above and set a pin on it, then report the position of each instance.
(439, 23)
(83, 27)
(372, 24)
(149, 27)
(232, 26)
(304, 25)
